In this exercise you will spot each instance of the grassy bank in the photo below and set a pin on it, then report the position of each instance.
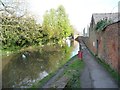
(40, 83)
(11, 50)
(73, 74)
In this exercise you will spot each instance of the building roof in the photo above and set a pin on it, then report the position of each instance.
(110, 16)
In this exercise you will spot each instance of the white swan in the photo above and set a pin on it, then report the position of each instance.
(23, 56)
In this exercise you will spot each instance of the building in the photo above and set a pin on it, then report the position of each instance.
(104, 43)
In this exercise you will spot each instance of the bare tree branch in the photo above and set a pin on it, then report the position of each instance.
(2, 3)
(6, 8)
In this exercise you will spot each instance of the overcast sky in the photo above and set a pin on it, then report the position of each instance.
(79, 11)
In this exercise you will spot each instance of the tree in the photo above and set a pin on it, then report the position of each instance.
(56, 24)
(22, 31)
(63, 22)
(18, 28)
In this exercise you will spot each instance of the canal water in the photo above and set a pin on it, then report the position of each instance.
(23, 69)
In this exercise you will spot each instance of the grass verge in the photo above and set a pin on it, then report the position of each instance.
(73, 72)
(40, 83)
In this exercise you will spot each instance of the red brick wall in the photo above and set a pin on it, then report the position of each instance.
(107, 45)
(119, 47)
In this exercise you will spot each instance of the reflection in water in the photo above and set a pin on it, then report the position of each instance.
(25, 68)
(68, 42)
(75, 50)
(43, 74)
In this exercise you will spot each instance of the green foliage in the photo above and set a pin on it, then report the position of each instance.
(102, 24)
(19, 32)
(24, 31)
(73, 72)
(56, 24)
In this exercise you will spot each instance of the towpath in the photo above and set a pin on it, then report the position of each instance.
(94, 75)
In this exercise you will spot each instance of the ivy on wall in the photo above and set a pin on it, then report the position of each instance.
(102, 24)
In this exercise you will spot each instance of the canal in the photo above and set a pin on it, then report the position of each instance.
(23, 69)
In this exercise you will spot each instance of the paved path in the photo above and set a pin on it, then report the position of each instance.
(94, 75)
